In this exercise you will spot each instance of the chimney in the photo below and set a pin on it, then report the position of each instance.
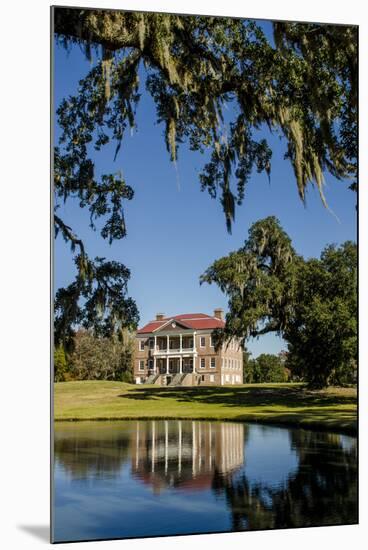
(160, 316)
(219, 313)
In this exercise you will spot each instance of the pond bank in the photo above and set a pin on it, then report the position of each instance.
(333, 409)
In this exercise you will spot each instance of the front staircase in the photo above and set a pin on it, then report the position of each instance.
(177, 379)
(152, 378)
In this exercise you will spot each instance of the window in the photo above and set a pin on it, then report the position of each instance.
(213, 362)
(225, 363)
(203, 363)
(202, 342)
(212, 377)
(150, 364)
(227, 377)
(211, 342)
(141, 345)
(151, 343)
(202, 377)
(141, 365)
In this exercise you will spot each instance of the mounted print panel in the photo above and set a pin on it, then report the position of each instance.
(205, 175)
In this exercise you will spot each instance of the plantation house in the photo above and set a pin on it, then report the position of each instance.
(179, 351)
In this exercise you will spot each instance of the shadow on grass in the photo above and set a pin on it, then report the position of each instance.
(240, 396)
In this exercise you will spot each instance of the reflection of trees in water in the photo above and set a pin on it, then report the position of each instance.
(84, 451)
(323, 490)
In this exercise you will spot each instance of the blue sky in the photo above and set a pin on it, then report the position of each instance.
(175, 231)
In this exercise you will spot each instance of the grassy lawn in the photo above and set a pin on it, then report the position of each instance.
(333, 409)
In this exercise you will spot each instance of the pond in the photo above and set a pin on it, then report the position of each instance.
(126, 479)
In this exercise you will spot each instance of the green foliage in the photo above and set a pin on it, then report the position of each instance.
(248, 377)
(106, 308)
(322, 336)
(60, 364)
(311, 304)
(259, 281)
(271, 369)
(101, 358)
(265, 368)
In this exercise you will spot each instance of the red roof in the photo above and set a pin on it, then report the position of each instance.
(191, 320)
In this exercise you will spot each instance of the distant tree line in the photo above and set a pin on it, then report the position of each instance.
(95, 358)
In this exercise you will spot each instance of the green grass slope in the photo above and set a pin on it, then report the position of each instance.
(291, 404)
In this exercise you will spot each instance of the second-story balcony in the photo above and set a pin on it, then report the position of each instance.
(172, 351)
(169, 345)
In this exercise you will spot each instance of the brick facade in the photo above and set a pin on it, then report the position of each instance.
(180, 351)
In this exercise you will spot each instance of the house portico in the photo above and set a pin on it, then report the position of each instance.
(174, 354)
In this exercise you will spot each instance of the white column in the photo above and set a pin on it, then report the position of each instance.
(167, 345)
(181, 365)
(181, 343)
(154, 348)
(194, 342)
(167, 365)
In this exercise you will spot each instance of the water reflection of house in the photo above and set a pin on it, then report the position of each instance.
(185, 454)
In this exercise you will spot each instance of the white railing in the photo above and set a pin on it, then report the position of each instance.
(173, 351)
